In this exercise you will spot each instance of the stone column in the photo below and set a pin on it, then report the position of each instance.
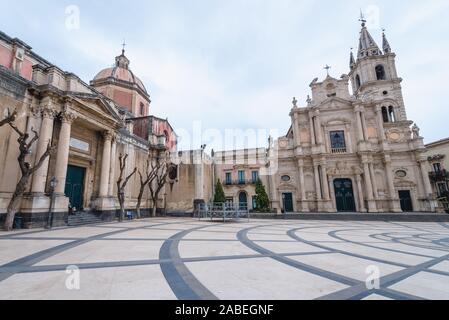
(380, 124)
(395, 205)
(312, 130)
(373, 179)
(319, 132)
(302, 187)
(113, 164)
(363, 119)
(369, 187)
(359, 126)
(296, 130)
(317, 182)
(105, 164)
(325, 183)
(45, 136)
(360, 193)
(62, 157)
(427, 185)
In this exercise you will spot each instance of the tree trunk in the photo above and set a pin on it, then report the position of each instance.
(154, 210)
(139, 203)
(14, 204)
(121, 201)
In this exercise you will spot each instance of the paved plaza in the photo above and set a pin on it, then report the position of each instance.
(258, 260)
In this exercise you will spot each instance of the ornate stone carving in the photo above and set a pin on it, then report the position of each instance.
(48, 112)
(35, 111)
(108, 135)
(68, 116)
(343, 169)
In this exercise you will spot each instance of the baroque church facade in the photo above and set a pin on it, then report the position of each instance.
(344, 152)
(349, 152)
(89, 125)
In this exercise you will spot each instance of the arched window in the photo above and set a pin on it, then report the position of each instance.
(385, 115)
(142, 109)
(380, 72)
(391, 114)
(358, 83)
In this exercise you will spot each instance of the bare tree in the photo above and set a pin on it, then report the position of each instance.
(144, 181)
(158, 181)
(121, 185)
(26, 170)
(9, 119)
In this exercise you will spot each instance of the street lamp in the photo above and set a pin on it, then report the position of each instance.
(53, 184)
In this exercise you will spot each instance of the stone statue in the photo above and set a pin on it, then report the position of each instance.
(295, 103)
(415, 131)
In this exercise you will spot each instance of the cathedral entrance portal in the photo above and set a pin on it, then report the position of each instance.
(344, 195)
(74, 187)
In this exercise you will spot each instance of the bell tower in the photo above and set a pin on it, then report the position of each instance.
(374, 72)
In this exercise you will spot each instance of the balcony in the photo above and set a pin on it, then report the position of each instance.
(338, 150)
(438, 176)
(240, 182)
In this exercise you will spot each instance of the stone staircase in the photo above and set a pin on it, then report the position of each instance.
(83, 218)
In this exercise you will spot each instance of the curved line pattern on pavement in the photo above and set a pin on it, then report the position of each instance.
(360, 291)
(186, 286)
(37, 257)
(182, 282)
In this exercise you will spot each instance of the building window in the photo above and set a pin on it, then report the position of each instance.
(391, 114)
(228, 178)
(358, 83)
(338, 142)
(388, 114)
(255, 176)
(380, 72)
(142, 109)
(437, 167)
(442, 189)
(286, 178)
(385, 116)
(241, 177)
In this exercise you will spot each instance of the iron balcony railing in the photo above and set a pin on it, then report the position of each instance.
(240, 182)
(440, 175)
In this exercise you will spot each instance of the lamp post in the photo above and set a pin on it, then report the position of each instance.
(53, 184)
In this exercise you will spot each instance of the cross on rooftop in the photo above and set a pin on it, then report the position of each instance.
(123, 46)
(327, 69)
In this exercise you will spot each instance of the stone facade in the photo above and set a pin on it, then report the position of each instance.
(89, 126)
(239, 171)
(351, 151)
(438, 165)
(346, 150)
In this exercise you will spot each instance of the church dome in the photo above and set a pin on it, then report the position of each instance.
(120, 73)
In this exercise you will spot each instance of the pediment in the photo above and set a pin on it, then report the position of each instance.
(97, 108)
(335, 103)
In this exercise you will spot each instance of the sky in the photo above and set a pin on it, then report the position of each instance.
(218, 67)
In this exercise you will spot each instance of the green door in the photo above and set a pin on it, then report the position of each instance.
(344, 195)
(406, 200)
(288, 202)
(74, 187)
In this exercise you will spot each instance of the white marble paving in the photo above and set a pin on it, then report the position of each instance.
(231, 277)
